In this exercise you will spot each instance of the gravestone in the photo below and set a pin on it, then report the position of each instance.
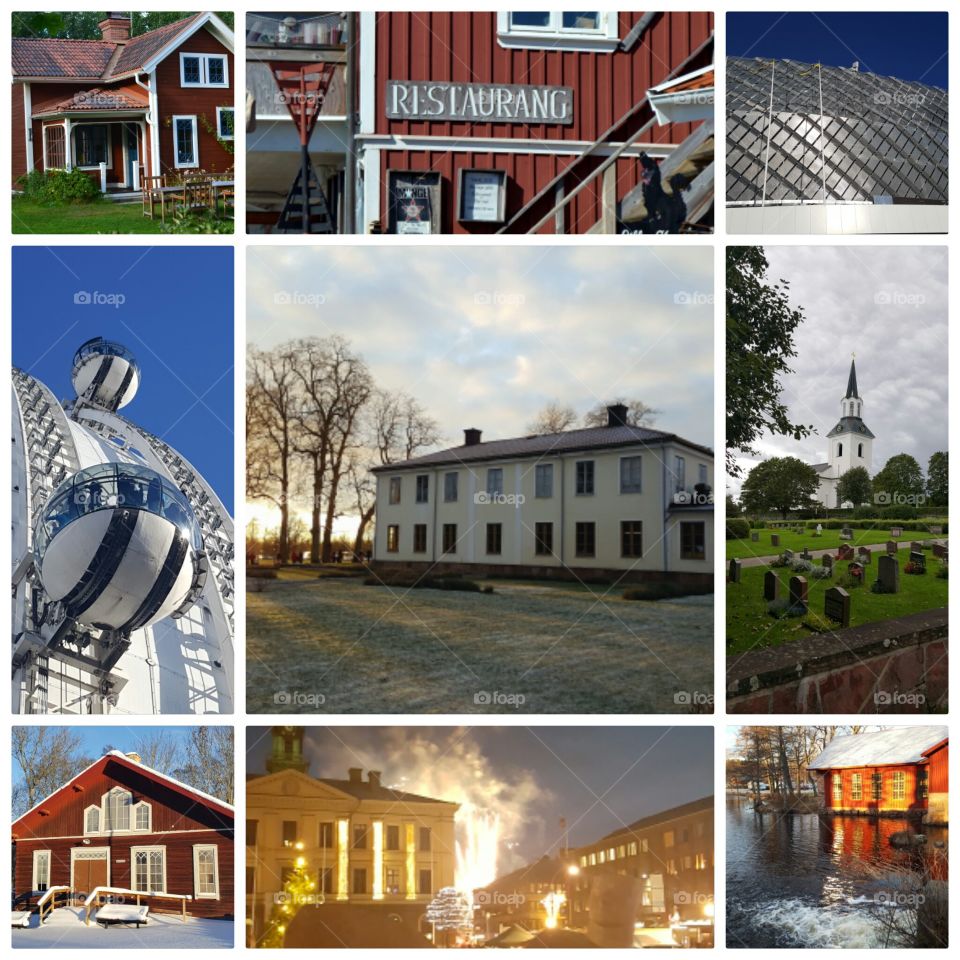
(788, 554)
(845, 552)
(896, 531)
(771, 586)
(774, 539)
(916, 546)
(892, 547)
(806, 555)
(936, 531)
(798, 591)
(855, 569)
(836, 606)
(736, 567)
(827, 561)
(755, 536)
(889, 574)
(846, 533)
(939, 551)
(864, 554)
(918, 558)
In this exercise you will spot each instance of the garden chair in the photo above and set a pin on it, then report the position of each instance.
(151, 193)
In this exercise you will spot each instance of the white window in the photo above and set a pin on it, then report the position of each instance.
(92, 145)
(494, 481)
(631, 474)
(142, 816)
(116, 809)
(206, 875)
(41, 869)
(185, 142)
(592, 30)
(91, 820)
(225, 123)
(679, 474)
(204, 70)
(149, 869)
(544, 480)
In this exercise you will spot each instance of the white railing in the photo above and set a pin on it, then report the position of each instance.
(48, 902)
(93, 901)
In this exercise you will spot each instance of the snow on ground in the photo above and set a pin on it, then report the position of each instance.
(65, 929)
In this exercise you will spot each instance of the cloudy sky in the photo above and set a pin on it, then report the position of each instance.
(486, 336)
(888, 305)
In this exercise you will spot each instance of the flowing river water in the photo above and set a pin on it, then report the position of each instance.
(809, 880)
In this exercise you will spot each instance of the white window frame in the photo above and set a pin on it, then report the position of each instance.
(133, 866)
(204, 59)
(87, 832)
(220, 134)
(73, 145)
(837, 787)
(106, 825)
(545, 470)
(66, 145)
(142, 804)
(631, 456)
(192, 117)
(198, 848)
(604, 39)
(37, 856)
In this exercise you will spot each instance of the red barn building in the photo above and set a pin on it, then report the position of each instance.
(119, 824)
(897, 772)
(125, 107)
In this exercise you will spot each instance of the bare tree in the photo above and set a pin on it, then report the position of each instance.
(208, 761)
(553, 418)
(46, 758)
(639, 414)
(157, 749)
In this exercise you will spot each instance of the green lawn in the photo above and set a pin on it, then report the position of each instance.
(828, 540)
(102, 216)
(750, 626)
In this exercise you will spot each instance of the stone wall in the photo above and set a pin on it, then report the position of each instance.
(892, 666)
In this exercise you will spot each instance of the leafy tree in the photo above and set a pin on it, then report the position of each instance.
(938, 478)
(780, 483)
(760, 327)
(733, 508)
(80, 25)
(899, 482)
(855, 486)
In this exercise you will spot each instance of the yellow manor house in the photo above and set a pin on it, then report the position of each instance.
(373, 851)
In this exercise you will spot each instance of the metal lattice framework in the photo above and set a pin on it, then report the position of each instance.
(799, 132)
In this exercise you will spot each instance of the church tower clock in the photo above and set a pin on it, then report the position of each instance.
(286, 750)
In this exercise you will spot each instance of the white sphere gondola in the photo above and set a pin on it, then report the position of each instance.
(119, 546)
(105, 374)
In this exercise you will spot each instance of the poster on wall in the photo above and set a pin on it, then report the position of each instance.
(414, 202)
(482, 195)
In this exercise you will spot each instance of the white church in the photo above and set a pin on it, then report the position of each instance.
(850, 444)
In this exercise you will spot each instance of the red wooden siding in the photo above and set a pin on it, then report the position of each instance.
(887, 802)
(18, 155)
(201, 102)
(939, 772)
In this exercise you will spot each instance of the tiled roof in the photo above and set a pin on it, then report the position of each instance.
(99, 99)
(893, 746)
(548, 444)
(91, 59)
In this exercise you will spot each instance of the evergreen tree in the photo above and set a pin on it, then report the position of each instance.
(298, 890)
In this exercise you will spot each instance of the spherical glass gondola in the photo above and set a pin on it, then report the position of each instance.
(118, 544)
(105, 373)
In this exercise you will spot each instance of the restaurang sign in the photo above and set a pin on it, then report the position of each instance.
(478, 102)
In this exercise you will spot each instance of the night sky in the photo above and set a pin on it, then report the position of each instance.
(598, 778)
(176, 317)
(908, 46)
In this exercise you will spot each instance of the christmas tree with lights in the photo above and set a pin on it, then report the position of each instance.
(450, 913)
(299, 889)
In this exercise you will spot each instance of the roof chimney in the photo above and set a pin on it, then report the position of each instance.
(135, 757)
(471, 437)
(374, 777)
(356, 774)
(116, 28)
(617, 415)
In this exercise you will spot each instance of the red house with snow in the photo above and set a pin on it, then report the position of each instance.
(901, 771)
(120, 829)
(123, 108)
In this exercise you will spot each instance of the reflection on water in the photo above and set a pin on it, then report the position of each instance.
(815, 881)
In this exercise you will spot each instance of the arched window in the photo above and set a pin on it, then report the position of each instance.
(142, 816)
(839, 449)
(116, 808)
(91, 820)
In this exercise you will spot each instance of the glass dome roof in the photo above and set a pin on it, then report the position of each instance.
(98, 347)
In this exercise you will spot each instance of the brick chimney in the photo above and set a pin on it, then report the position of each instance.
(374, 777)
(356, 774)
(617, 415)
(116, 28)
(471, 437)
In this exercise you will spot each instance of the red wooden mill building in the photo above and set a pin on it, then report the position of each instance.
(486, 122)
(123, 826)
(901, 771)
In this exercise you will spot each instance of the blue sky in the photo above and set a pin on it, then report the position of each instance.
(908, 46)
(171, 306)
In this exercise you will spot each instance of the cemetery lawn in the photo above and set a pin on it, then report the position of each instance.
(336, 645)
(750, 627)
(829, 540)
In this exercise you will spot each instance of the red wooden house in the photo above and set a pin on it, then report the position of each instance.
(901, 771)
(121, 107)
(479, 122)
(119, 824)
